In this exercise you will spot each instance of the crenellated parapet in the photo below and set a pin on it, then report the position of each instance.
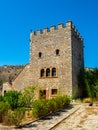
(53, 28)
(76, 34)
(69, 26)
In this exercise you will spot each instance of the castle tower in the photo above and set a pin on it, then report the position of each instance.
(56, 57)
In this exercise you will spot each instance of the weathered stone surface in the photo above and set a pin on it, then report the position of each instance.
(68, 62)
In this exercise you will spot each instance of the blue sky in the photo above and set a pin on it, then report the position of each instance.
(18, 17)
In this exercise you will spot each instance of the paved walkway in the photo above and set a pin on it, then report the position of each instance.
(86, 118)
(47, 123)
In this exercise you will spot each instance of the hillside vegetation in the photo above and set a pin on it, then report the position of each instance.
(9, 73)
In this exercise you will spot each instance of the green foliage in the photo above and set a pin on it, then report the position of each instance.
(43, 107)
(88, 81)
(27, 97)
(3, 109)
(3, 106)
(91, 78)
(39, 108)
(51, 105)
(1, 98)
(66, 100)
(96, 90)
(13, 104)
(12, 97)
(15, 117)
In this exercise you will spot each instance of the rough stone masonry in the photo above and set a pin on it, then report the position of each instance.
(56, 57)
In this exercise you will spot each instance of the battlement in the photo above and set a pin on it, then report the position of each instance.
(76, 33)
(60, 26)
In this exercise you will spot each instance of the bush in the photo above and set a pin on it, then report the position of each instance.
(1, 98)
(66, 100)
(59, 102)
(27, 97)
(3, 109)
(51, 105)
(43, 107)
(15, 117)
(12, 97)
(86, 100)
(39, 108)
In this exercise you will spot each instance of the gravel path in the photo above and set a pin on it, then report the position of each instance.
(86, 118)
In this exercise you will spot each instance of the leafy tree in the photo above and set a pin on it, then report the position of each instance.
(88, 81)
(92, 79)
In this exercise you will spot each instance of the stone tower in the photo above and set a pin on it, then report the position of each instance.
(56, 57)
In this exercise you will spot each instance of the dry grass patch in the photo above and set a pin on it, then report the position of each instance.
(92, 110)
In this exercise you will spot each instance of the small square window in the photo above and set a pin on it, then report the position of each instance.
(54, 91)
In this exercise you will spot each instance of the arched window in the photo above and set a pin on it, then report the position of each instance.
(53, 71)
(42, 73)
(57, 52)
(40, 54)
(47, 72)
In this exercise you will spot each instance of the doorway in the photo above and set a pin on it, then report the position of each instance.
(42, 94)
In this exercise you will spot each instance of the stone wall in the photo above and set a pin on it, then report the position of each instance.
(77, 57)
(23, 79)
(60, 49)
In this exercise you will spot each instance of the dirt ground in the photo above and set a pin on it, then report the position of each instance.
(86, 118)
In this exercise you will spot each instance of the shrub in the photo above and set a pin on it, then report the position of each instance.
(43, 107)
(59, 102)
(66, 100)
(11, 97)
(3, 110)
(1, 98)
(39, 108)
(86, 100)
(51, 105)
(27, 97)
(15, 116)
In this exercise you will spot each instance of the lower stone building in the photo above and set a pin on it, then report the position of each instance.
(56, 57)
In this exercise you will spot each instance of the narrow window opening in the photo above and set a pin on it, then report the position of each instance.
(42, 94)
(42, 73)
(40, 54)
(57, 52)
(53, 72)
(47, 72)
